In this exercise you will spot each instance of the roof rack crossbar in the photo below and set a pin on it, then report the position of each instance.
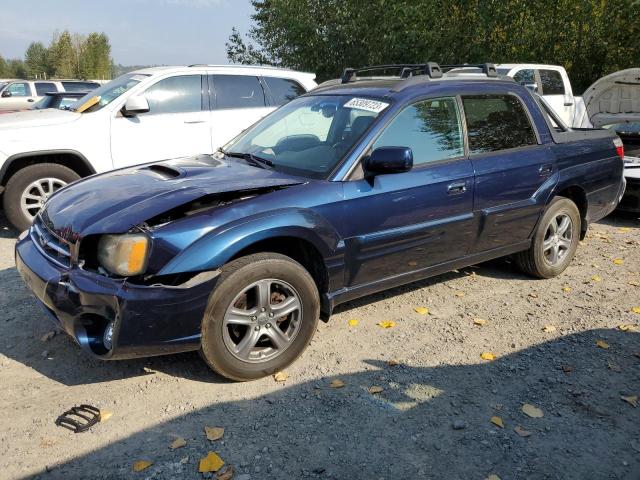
(407, 70)
(489, 69)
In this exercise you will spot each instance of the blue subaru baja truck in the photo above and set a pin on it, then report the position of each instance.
(385, 176)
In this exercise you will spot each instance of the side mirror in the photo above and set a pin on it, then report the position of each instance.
(6, 93)
(134, 105)
(531, 86)
(389, 160)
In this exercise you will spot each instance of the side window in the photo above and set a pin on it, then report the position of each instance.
(283, 89)
(20, 89)
(44, 87)
(181, 94)
(237, 91)
(526, 77)
(496, 122)
(431, 128)
(552, 83)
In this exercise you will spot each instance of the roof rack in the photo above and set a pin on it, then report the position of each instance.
(489, 69)
(430, 69)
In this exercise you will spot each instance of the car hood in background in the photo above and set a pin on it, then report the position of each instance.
(37, 118)
(614, 98)
(116, 201)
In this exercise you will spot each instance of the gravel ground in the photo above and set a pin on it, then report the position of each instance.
(431, 420)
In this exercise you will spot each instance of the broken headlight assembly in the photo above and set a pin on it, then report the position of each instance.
(125, 255)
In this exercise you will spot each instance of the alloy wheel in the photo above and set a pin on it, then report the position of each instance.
(557, 239)
(37, 193)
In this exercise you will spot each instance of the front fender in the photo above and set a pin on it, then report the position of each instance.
(220, 245)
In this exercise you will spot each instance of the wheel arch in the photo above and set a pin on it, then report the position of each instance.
(577, 195)
(68, 158)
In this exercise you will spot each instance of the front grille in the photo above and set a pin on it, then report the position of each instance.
(50, 245)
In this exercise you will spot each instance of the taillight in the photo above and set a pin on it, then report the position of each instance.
(619, 147)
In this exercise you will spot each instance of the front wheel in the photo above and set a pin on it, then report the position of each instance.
(554, 242)
(260, 317)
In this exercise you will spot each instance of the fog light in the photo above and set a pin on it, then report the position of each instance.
(107, 338)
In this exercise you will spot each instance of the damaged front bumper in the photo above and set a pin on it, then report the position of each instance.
(146, 320)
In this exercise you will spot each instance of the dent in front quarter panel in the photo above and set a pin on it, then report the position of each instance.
(595, 167)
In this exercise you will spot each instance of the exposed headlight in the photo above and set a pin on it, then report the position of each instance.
(124, 255)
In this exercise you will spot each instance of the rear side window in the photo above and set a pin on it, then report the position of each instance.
(431, 128)
(180, 94)
(44, 87)
(237, 91)
(283, 90)
(496, 122)
(552, 83)
(79, 86)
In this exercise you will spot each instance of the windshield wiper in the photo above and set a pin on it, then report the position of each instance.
(254, 160)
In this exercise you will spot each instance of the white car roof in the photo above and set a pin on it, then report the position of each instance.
(229, 70)
(511, 66)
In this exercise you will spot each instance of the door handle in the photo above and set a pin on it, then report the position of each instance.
(546, 169)
(457, 188)
(191, 122)
(30, 100)
(568, 104)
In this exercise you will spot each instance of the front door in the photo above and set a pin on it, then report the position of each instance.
(510, 169)
(20, 96)
(176, 125)
(401, 223)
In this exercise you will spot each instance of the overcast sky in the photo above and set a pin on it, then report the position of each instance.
(142, 32)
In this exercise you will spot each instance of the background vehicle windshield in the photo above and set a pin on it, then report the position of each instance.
(310, 135)
(110, 91)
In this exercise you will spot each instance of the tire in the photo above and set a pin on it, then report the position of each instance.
(20, 182)
(546, 260)
(240, 285)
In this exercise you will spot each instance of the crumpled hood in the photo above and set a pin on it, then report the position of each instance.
(614, 98)
(37, 118)
(114, 202)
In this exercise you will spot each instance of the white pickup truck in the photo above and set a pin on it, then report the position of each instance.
(143, 116)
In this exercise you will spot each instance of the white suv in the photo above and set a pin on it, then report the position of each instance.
(143, 116)
(22, 94)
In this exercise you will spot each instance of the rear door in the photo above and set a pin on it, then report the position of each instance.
(401, 223)
(237, 102)
(510, 168)
(176, 125)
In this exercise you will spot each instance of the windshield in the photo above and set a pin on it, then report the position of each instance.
(108, 92)
(310, 135)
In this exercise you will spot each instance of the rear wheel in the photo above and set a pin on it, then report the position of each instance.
(555, 240)
(29, 189)
(260, 317)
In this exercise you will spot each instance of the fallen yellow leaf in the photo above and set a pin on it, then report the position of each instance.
(522, 432)
(629, 327)
(393, 363)
(567, 368)
(487, 356)
(280, 376)
(387, 323)
(614, 366)
(631, 400)
(479, 321)
(336, 383)
(602, 344)
(531, 411)
(493, 476)
(353, 322)
(533, 295)
(141, 465)
(375, 389)
(460, 294)
(596, 278)
(178, 443)
(549, 328)
(566, 289)
(497, 421)
(214, 433)
(227, 474)
(105, 415)
(634, 283)
(618, 261)
(624, 229)
(422, 310)
(211, 463)
(635, 309)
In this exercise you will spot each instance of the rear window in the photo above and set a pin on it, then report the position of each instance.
(44, 87)
(237, 91)
(283, 90)
(552, 83)
(496, 122)
(79, 86)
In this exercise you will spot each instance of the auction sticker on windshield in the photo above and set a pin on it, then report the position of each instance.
(366, 104)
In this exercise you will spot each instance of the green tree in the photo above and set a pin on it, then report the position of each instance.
(62, 56)
(96, 57)
(35, 59)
